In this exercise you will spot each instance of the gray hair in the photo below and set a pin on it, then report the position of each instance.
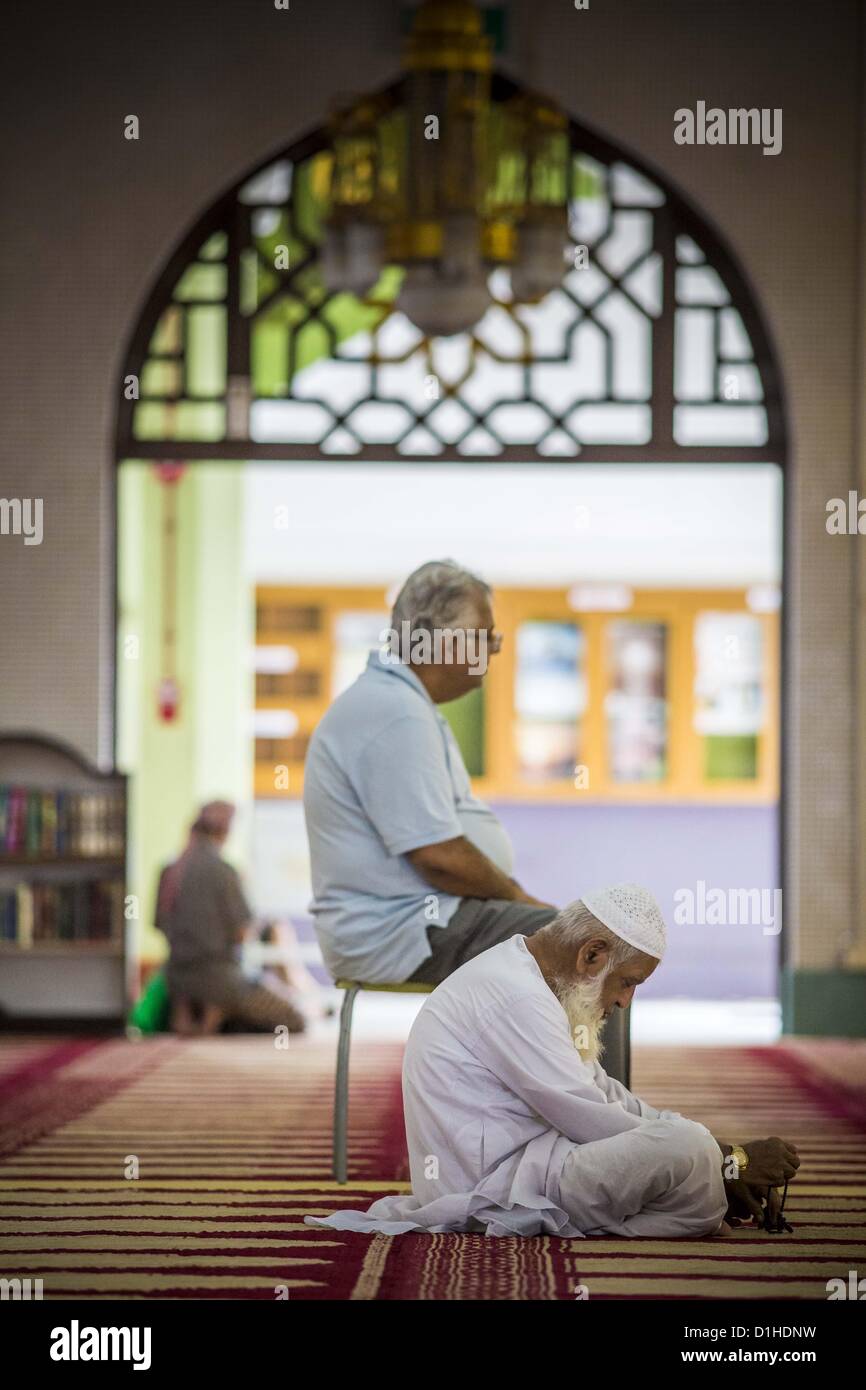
(435, 595)
(575, 924)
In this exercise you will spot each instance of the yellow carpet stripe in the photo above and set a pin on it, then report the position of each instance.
(157, 1240)
(151, 1284)
(370, 1277)
(206, 1185)
(694, 1288)
(131, 1261)
(771, 1268)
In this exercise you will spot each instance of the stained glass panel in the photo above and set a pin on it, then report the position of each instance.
(336, 374)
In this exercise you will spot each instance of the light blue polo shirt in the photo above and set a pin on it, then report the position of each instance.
(383, 776)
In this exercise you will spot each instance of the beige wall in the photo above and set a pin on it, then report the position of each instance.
(88, 218)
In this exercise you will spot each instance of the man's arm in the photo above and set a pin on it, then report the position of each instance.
(616, 1092)
(457, 866)
(771, 1161)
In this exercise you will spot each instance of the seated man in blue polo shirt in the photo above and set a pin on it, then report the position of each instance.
(412, 874)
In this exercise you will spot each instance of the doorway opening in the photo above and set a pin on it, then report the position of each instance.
(611, 459)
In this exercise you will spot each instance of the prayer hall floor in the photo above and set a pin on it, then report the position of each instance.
(184, 1169)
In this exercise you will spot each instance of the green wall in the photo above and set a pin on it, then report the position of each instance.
(828, 1003)
(206, 751)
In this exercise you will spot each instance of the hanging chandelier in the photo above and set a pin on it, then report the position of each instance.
(449, 186)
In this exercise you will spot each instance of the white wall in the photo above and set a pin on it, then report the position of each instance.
(654, 527)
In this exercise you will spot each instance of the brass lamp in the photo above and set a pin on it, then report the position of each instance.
(353, 250)
(452, 187)
(438, 236)
(542, 136)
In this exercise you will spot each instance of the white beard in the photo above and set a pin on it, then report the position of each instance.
(581, 1000)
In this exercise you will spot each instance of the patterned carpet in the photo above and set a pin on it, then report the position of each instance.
(167, 1169)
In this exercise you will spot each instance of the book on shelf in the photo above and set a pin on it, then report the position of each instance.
(84, 910)
(61, 824)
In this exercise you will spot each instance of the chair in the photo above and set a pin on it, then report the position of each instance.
(341, 1091)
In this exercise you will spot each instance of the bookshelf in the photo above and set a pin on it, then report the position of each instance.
(63, 934)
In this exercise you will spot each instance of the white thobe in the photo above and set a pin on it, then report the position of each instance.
(511, 1132)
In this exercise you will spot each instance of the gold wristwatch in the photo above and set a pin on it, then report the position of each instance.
(740, 1157)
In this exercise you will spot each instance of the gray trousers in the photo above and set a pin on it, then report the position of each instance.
(479, 924)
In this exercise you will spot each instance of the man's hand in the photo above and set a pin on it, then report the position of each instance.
(743, 1205)
(742, 1202)
(772, 1162)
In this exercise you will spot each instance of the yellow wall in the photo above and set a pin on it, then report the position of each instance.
(677, 609)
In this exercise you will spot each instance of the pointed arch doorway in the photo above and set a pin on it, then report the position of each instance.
(653, 352)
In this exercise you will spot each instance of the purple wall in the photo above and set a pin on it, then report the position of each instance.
(561, 851)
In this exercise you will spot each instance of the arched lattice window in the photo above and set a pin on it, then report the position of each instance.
(653, 350)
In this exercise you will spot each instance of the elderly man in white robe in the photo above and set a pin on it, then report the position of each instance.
(513, 1126)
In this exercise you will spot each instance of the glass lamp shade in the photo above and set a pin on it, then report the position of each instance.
(365, 256)
(448, 295)
(441, 307)
(540, 264)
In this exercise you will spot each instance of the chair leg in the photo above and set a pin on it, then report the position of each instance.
(626, 1047)
(341, 1089)
(617, 1046)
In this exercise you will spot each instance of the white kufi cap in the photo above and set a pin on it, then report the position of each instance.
(632, 914)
